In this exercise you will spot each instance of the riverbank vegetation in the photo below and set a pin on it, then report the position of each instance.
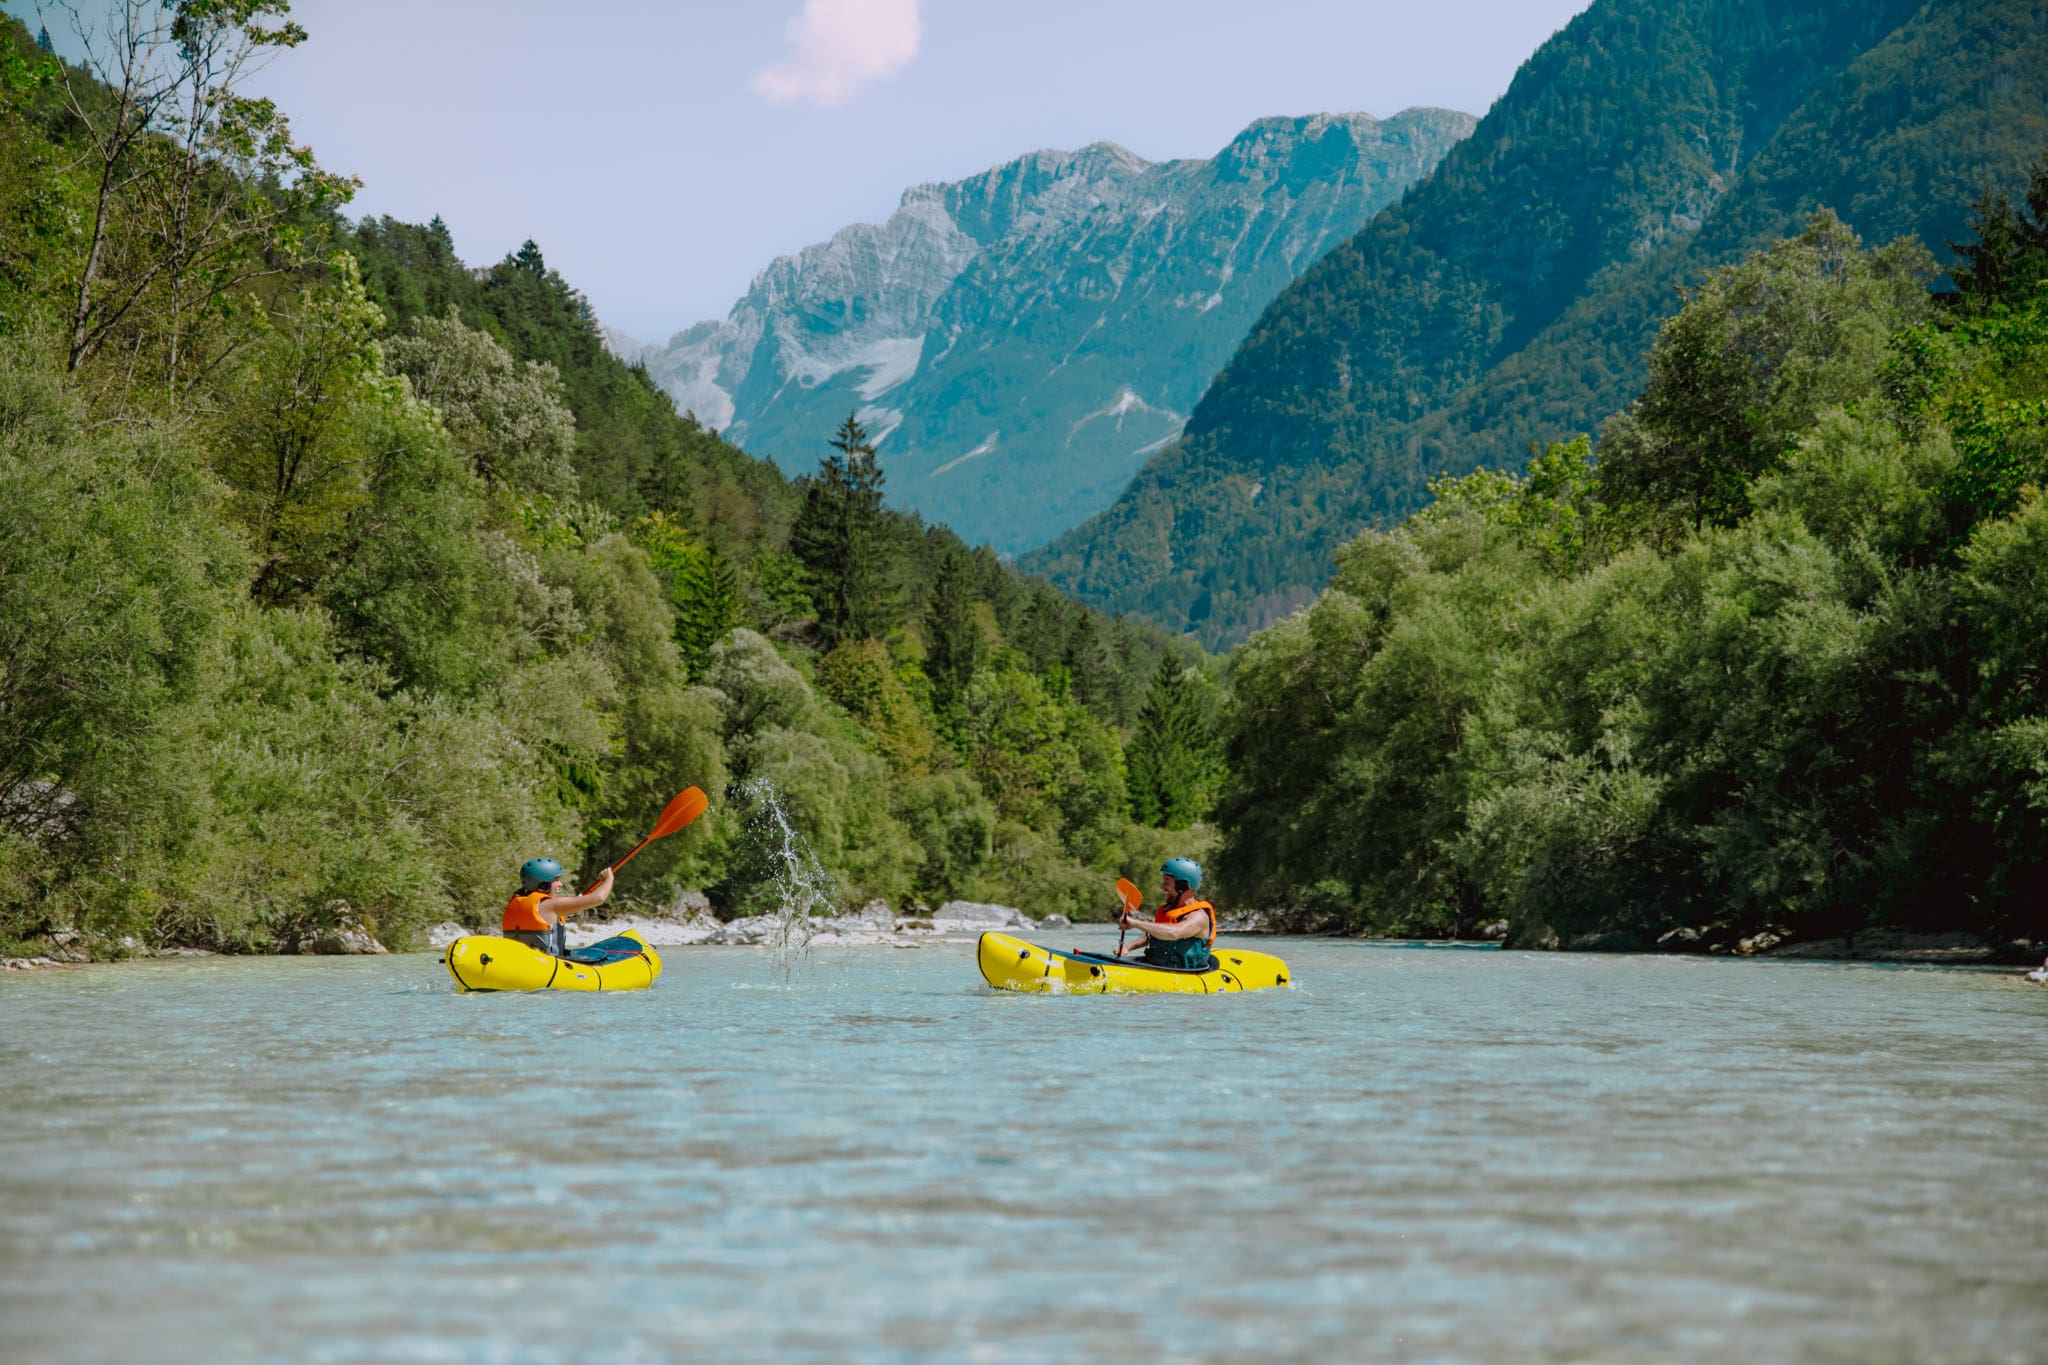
(1771, 667)
(346, 577)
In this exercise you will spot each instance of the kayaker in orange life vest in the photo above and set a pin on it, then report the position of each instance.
(1180, 934)
(534, 916)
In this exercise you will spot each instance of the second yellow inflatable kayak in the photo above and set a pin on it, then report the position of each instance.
(484, 962)
(1011, 964)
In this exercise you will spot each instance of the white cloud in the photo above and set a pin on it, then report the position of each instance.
(839, 46)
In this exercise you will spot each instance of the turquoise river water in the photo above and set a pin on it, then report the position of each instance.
(1417, 1154)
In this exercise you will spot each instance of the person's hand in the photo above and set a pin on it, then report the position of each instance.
(604, 879)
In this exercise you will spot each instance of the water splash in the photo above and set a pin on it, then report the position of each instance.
(803, 888)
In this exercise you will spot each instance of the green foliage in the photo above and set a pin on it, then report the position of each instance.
(953, 643)
(1775, 666)
(702, 587)
(509, 419)
(840, 537)
(359, 577)
(860, 679)
(1175, 767)
(104, 614)
(1554, 511)
(1043, 760)
(291, 448)
(1741, 371)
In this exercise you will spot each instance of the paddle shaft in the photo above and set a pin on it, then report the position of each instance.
(687, 806)
(629, 857)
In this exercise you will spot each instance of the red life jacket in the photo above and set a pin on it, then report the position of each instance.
(523, 912)
(1175, 914)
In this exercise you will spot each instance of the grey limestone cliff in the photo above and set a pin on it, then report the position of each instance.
(1021, 341)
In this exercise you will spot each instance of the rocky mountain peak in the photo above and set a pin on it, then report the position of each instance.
(1019, 341)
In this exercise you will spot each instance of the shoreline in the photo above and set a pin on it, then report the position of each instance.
(871, 929)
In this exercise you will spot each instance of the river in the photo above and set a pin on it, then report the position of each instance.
(1416, 1154)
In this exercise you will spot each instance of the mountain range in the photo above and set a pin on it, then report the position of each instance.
(1510, 296)
(1019, 342)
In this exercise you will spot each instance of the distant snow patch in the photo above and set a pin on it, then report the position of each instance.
(984, 448)
(1162, 443)
(1125, 403)
(1222, 282)
(879, 421)
(889, 363)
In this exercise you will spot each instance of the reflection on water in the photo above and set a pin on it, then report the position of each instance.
(1416, 1155)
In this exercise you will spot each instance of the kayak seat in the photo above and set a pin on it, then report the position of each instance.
(603, 953)
(1142, 965)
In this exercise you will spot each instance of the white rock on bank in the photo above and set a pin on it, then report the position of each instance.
(954, 916)
(659, 933)
(445, 933)
(344, 940)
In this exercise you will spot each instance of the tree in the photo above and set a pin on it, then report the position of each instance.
(1758, 349)
(194, 182)
(43, 40)
(701, 584)
(291, 447)
(953, 645)
(1173, 759)
(839, 537)
(510, 419)
(2008, 256)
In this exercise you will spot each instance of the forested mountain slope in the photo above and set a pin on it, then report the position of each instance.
(1020, 341)
(1511, 296)
(357, 577)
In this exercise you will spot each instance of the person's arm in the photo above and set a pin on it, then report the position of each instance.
(562, 906)
(1143, 926)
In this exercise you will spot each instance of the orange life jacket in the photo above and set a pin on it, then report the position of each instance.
(1175, 914)
(523, 912)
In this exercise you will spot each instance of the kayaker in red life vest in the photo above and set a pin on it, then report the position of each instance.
(1180, 934)
(535, 916)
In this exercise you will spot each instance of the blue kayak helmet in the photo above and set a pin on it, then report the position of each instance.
(538, 872)
(1185, 869)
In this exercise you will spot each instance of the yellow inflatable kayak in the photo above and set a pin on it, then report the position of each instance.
(1011, 964)
(482, 962)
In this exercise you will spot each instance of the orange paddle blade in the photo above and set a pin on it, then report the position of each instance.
(1133, 898)
(688, 805)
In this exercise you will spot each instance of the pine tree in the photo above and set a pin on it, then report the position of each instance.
(43, 41)
(952, 638)
(2007, 256)
(707, 597)
(839, 536)
(702, 587)
(1172, 756)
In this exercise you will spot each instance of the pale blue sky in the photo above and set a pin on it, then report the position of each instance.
(639, 143)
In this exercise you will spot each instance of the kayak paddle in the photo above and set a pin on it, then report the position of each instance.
(688, 805)
(1132, 899)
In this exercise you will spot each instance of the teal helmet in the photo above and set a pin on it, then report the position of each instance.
(1186, 869)
(538, 872)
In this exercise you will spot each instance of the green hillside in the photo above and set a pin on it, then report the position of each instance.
(360, 576)
(1770, 673)
(1510, 297)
